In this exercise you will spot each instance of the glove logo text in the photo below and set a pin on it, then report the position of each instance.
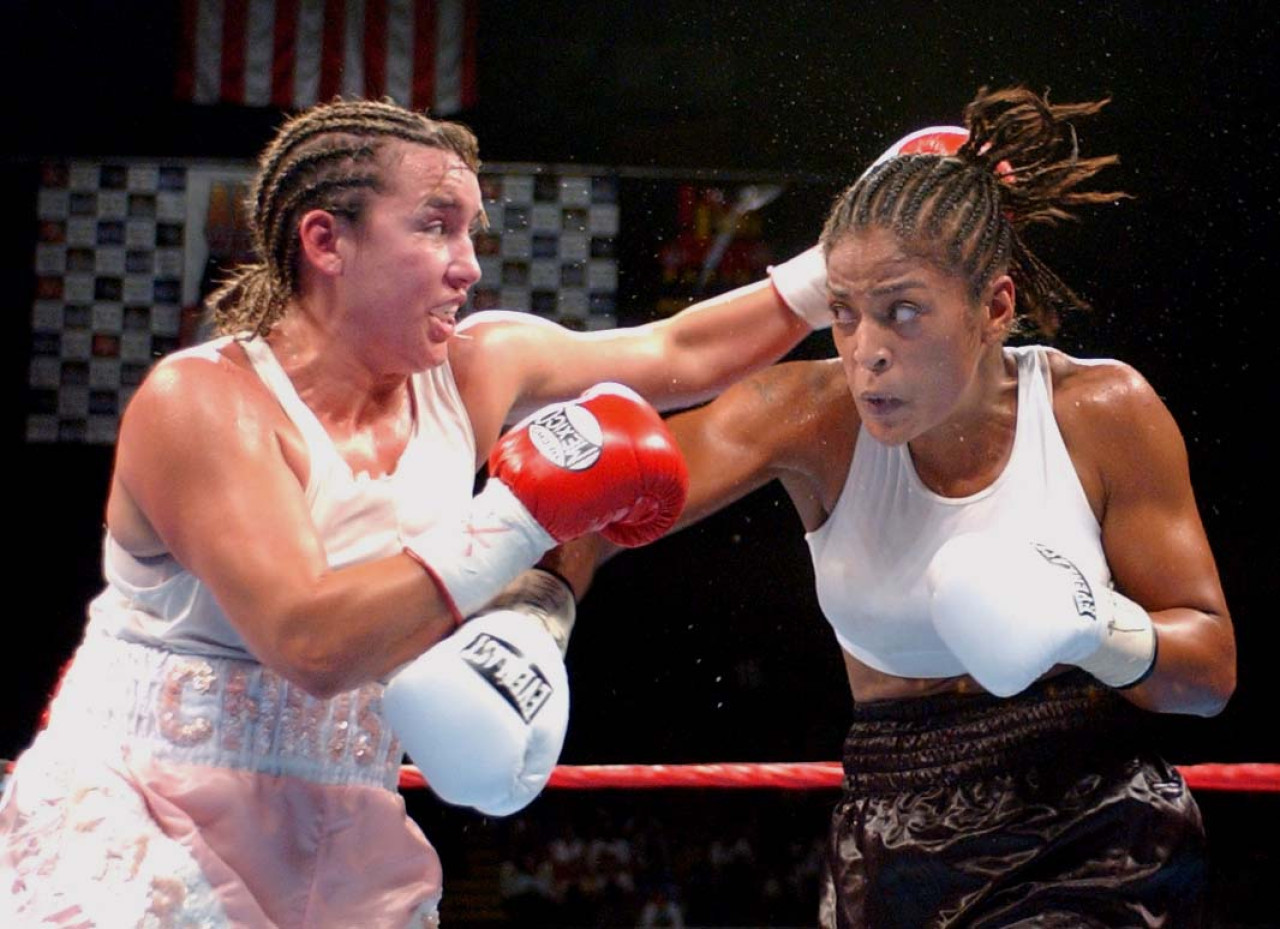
(1082, 591)
(567, 436)
(516, 679)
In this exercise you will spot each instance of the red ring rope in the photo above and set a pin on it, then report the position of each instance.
(806, 775)
(813, 775)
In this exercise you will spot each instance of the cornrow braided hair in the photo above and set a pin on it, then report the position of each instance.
(327, 157)
(1020, 167)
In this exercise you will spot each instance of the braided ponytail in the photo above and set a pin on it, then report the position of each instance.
(1020, 167)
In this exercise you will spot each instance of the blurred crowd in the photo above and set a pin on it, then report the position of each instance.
(585, 865)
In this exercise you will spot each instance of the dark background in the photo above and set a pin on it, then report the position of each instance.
(708, 646)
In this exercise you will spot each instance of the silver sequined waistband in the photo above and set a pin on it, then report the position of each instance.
(221, 712)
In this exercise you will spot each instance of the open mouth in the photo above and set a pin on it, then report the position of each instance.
(880, 404)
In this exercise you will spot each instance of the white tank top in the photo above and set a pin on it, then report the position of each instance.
(155, 601)
(870, 555)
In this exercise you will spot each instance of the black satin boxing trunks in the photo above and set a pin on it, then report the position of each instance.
(1043, 810)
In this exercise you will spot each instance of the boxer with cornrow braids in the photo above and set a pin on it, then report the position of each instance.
(302, 586)
(1005, 541)
(329, 159)
(971, 208)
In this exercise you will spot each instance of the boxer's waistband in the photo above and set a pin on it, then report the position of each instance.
(221, 712)
(942, 740)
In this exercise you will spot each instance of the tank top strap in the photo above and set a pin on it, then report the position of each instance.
(1035, 382)
(1035, 403)
(268, 367)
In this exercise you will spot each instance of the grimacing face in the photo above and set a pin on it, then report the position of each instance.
(411, 262)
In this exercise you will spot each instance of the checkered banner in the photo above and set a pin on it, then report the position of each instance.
(109, 267)
(121, 247)
(551, 245)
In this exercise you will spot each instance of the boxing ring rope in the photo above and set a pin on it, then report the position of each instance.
(803, 775)
(819, 775)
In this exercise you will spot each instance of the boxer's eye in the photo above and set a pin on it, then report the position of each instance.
(904, 313)
(842, 314)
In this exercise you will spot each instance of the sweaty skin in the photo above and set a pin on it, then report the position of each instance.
(211, 470)
(920, 363)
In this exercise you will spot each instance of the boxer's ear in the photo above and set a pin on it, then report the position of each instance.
(999, 308)
(318, 241)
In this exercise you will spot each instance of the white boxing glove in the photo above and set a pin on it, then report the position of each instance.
(483, 713)
(801, 282)
(1010, 609)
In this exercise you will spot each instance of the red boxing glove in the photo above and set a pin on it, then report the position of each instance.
(605, 463)
(935, 140)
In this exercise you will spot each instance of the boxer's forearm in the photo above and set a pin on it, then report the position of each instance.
(578, 560)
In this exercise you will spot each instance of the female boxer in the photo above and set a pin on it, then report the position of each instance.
(291, 523)
(1006, 543)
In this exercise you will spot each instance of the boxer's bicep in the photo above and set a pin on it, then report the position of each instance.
(200, 460)
(1156, 546)
(735, 444)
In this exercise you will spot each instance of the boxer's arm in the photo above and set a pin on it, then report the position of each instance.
(1010, 607)
(509, 363)
(782, 423)
(727, 447)
(1153, 536)
(211, 465)
(768, 427)
(207, 466)
(576, 561)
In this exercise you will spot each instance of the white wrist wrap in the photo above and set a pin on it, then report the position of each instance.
(543, 596)
(1128, 649)
(472, 561)
(801, 282)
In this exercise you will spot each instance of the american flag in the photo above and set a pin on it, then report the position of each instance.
(293, 53)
